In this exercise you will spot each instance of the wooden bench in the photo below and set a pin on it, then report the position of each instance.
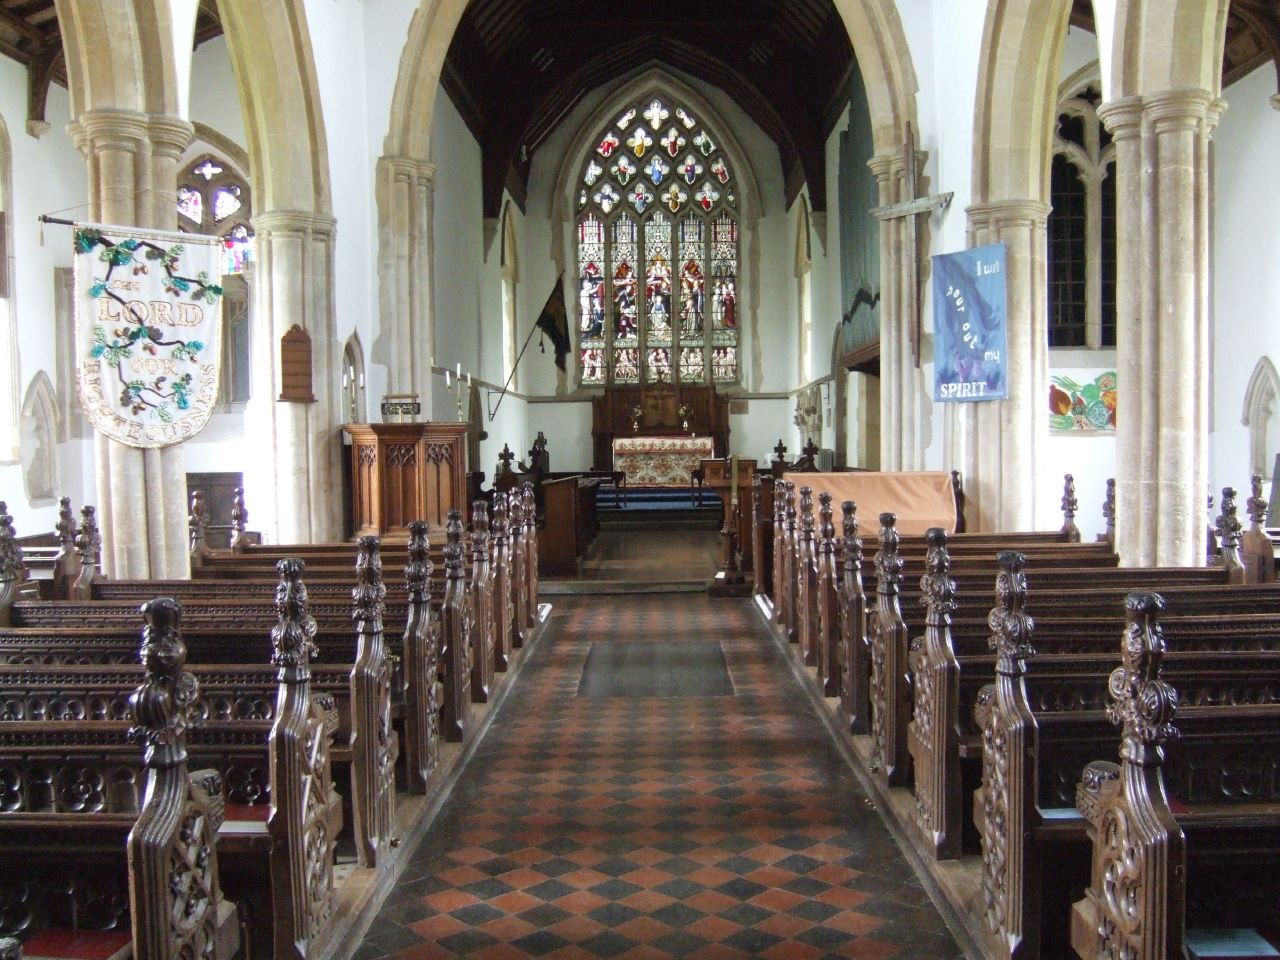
(1032, 759)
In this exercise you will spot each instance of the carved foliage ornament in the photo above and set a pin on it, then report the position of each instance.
(1142, 703)
(1011, 627)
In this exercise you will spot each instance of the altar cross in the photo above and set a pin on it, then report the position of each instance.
(909, 209)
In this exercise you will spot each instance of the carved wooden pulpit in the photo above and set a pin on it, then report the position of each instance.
(717, 475)
(406, 471)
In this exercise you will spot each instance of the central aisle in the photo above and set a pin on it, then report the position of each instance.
(657, 786)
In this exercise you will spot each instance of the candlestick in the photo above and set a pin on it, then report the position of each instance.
(733, 478)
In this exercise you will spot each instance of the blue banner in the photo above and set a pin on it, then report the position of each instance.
(969, 317)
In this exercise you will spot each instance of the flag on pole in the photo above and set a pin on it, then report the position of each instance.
(554, 322)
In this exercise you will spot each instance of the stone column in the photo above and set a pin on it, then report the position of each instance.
(1162, 336)
(406, 254)
(1135, 470)
(995, 444)
(293, 485)
(901, 412)
(132, 177)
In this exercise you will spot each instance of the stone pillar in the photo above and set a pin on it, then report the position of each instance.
(901, 411)
(1135, 391)
(132, 178)
(293, 489)
(995, 445)
(1162, 336)
(406, 254)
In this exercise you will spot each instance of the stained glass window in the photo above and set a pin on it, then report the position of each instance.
(657, 249)
(212, 199)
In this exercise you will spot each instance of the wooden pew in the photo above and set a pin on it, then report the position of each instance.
(167, 846)
(1151, 853)
(1033, 758)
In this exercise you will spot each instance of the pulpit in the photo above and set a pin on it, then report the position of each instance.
(718, 475)
(406, 471)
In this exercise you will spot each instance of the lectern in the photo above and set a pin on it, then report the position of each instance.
(406, 471)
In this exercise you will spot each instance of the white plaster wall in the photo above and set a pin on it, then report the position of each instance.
(756, 433)
(215, 101)
(945, 39)
(48, 176)
(340, 69)
(1246, 248)
(1089, 457)
(568, 429)
(1080, 49)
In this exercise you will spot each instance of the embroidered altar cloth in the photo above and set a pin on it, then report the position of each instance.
(659, 461)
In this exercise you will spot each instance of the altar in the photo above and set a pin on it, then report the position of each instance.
(660, 461)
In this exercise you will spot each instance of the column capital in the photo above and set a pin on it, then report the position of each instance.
(1188, 108)
(1122, 117)
(300, 222)
(170, 135)
(409, 170)
(996, 213)
(97, 130)
(882, 165)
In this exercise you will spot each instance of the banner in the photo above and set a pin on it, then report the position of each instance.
(148, 326)
(554, 323)
(969, 335)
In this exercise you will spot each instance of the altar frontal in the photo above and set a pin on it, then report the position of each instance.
(148, 329)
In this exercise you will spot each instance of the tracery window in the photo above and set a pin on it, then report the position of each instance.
(1082, 225)
(657, 251)
(213, 199)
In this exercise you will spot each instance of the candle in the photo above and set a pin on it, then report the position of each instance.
(446, 379)
(468, 378)
(459, 371)
(733, 477)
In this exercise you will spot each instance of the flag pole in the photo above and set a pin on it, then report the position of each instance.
(515, 366)
(510, 376)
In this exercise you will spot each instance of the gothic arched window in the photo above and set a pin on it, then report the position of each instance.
(213, 199)
(1082, 226)
(657, 251)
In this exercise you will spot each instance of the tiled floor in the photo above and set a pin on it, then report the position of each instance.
(653, 827)
(637, 556)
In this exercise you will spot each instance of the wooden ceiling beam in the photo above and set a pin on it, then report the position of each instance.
(23, 27)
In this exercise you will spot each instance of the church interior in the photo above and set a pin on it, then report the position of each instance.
(759, 479)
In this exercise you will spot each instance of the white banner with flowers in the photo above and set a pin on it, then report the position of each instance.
(148, 322)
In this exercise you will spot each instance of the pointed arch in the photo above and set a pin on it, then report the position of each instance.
(38, 436)
(804, 291)
(509, 261)
(355, 404)
(1261, 407)
(875, 31)
(119, 55)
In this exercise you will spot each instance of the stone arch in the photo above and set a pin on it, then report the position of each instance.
(1261, 406)
(1167, 45)
(995, 445)
(270, 49)
(38, 436)
(119, 56)
(875, 30)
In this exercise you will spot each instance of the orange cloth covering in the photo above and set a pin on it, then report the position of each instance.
(921, 500)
